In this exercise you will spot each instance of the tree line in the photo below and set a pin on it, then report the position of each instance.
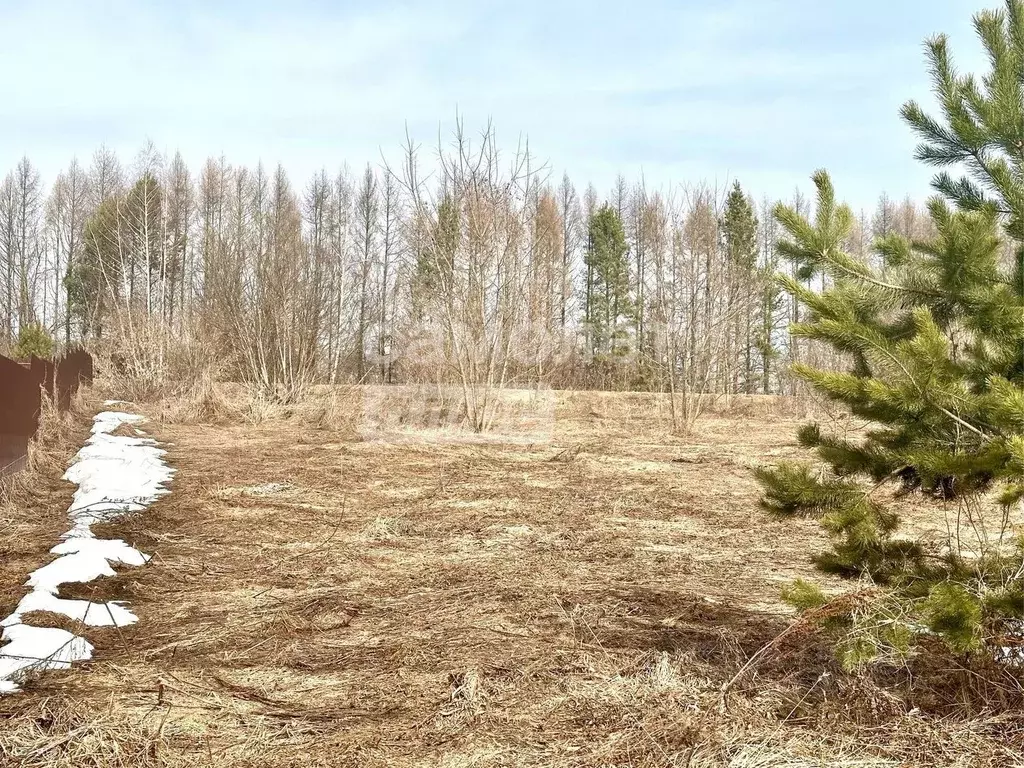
(474, 266)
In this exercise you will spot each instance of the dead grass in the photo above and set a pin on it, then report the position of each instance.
(33, 502)
(322, 594)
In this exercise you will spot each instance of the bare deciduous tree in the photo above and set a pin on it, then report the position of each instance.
(476, 249)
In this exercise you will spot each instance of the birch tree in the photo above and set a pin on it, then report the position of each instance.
(476, 244)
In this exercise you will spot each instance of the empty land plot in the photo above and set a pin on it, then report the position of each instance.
(319, 598)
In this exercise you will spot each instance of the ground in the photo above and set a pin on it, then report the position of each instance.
(326, 593)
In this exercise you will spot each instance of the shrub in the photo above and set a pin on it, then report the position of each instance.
(33, 340)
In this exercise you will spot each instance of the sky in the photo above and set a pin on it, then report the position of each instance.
(673, 91)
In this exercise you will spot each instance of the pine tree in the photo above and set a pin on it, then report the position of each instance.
(936, 350)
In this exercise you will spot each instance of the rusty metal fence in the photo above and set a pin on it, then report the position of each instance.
(22, 387)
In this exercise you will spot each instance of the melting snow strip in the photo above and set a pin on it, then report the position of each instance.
(115, 476)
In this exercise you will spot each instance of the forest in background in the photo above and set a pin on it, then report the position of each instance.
(464, 265)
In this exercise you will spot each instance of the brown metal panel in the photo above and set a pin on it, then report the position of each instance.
(87, 368)
(83, 365)
(19, 399)
(66, 382)
(13, 454)
(19, 413)
(43, 372)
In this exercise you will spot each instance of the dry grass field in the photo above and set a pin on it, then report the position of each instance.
(322, 594)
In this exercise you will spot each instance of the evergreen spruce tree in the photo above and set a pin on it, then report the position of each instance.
(739, 231)
(610, 305)
(99, 272)
(435, 244)
(771, 302)
(935, 341)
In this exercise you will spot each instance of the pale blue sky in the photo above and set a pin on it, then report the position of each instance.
(764, 91)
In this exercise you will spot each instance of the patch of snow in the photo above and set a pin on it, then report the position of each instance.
(32, 649)
(108, 421)
(82, 560)
(114, 550)
(111, 614)
(115, 475)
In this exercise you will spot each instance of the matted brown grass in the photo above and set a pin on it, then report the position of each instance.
(33, 502)
(321, 599)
